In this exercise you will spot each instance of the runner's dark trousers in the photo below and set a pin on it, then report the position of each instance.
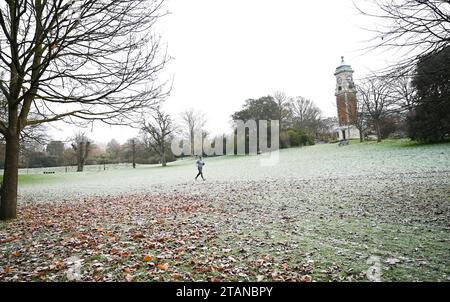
(200, 173)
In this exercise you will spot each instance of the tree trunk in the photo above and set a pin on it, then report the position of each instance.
(378, 130)
(80, 166)
(163, 157)
(192, 134)
(8, 206)
(134, 154)
(82, 154)
(361, 136)
(79, 151)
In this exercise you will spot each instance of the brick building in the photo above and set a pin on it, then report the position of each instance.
(346, 102)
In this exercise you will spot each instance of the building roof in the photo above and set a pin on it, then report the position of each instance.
(343, 67)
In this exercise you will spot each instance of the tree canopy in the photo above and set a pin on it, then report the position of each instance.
(430, 120)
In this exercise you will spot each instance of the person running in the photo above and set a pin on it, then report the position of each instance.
(200, 165)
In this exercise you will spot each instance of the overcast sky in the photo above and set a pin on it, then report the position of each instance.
(227, 51)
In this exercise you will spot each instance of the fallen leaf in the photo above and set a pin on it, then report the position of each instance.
(138, 236)
(162, 267)
(148, 258)
(128, 277)
(16, 254)
(306, 278)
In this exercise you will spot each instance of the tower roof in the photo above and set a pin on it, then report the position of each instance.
(343, 67)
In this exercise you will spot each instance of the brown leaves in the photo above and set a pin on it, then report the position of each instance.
(148, 258)
(49, 223)
(133, 239)
(59, 265)
(138, 236)
(16, 254)
(129, 277)
(218, 268)
(163, 266)
(110, 236)
(7, 240)
(127, 270)
(7, 270)
(306, 278)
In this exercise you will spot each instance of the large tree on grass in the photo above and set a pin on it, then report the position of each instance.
(262, 109)
(284, 107)
(113, 148)
(78, 60)
(82, 146)
(377, 99)
(429, 121)
(193, 122)
(306, 115)
(160, 129)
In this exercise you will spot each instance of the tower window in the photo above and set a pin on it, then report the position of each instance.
(340, 88)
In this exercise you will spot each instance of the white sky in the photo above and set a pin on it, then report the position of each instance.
(227, 51)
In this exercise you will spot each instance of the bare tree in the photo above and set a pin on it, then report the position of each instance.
(376, 97)
(284, 110)
(129, 151)
(193, 121)
(418, 27)
(33, 134)
(78, 60)
(160, 130)
(82, 146)
(327, 129)
(133, 152)
(69, 157)
(362, 120)
(306, 114)
(113, 148)
(404, 91)
(28, 148)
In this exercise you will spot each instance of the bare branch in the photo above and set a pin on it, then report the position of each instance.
(416, 27)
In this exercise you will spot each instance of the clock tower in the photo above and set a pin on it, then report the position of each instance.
(346, 102)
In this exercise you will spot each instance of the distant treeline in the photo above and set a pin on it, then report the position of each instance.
(58, 153)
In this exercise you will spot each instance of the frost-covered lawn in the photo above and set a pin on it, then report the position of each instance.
(322, 213)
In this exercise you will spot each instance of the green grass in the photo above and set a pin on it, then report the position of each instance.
(30, 179)
(391, 143)
(399, 143)
(322, 210)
